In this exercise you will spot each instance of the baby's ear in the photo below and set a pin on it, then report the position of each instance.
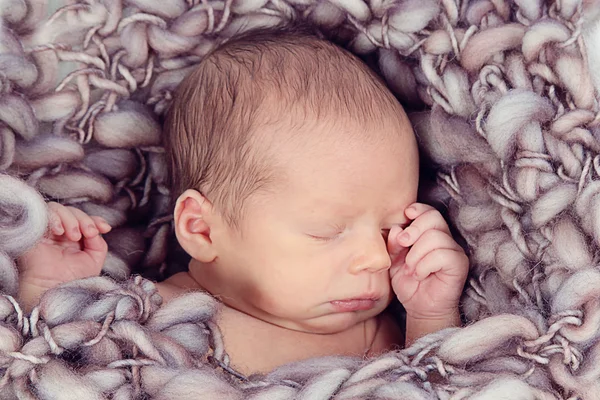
(192, 217)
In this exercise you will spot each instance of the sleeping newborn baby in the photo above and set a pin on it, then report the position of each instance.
(296, 175)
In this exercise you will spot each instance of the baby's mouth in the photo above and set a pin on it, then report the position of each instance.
(358, 304)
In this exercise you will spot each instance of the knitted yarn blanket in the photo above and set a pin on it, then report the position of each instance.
(506, 106)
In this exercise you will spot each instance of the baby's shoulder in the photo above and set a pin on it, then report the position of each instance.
(176, 285)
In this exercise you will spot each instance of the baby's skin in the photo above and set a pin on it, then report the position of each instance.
(73, 248)
(427, 273)
(313, 261)
(297, 173)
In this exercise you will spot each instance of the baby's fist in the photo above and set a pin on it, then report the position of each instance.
(429, 268)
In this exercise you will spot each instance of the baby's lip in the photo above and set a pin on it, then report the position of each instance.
(361, 303)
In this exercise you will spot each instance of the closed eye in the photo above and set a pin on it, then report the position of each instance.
(330, 232)
(324, 238)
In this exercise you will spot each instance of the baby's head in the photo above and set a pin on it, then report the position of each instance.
(291, 160)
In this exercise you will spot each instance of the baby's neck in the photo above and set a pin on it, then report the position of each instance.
(256, 346)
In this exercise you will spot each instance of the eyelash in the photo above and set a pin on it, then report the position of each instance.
(384, 232)
(324, 238)
(338, 230)
(321, 238)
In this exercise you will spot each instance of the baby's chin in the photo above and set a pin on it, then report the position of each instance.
(333, 322)
(340, 322)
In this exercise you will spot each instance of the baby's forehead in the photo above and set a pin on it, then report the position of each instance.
(323, 175)
(299, 137)
(314, 121)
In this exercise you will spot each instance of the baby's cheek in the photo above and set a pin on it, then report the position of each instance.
(276, 303)
(385, 283)
(285, 299)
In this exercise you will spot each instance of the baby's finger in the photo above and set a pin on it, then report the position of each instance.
(96, 248)
(54, 222)
(430, 241)
(430, 219)
(95, 244)
(69, 222)
(399, 262)
(438, 262)
(394, 247)
(415, 210)
(101, 224)
(430, 264)
(87, 226)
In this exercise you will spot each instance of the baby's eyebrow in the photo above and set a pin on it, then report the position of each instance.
(334, 225)
(328, 221)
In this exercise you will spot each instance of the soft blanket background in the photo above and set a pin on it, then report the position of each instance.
(505, 100)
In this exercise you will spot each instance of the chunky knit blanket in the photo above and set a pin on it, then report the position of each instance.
(504, 98)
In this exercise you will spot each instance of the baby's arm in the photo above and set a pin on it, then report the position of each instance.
(428, 272)
(416, 328)
(73, 249)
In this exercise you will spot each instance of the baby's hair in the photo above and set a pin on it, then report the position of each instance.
(243, 84)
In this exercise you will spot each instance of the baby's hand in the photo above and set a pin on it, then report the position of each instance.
(73, 249)
(429, 268)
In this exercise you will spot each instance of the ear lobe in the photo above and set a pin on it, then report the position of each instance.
(192, 225)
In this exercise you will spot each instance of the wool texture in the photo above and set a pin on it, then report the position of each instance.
(508, 116)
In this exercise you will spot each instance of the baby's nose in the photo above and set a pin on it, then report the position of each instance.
(372, 256)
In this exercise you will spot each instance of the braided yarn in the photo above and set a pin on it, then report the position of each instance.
(511, 124)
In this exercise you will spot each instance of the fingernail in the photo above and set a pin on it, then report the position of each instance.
(58, 229)
(76, 231)
(93, 229)
(404, 236)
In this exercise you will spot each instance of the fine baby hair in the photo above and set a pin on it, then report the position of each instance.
(247, 83)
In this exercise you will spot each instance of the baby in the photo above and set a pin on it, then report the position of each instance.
(296, 172)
